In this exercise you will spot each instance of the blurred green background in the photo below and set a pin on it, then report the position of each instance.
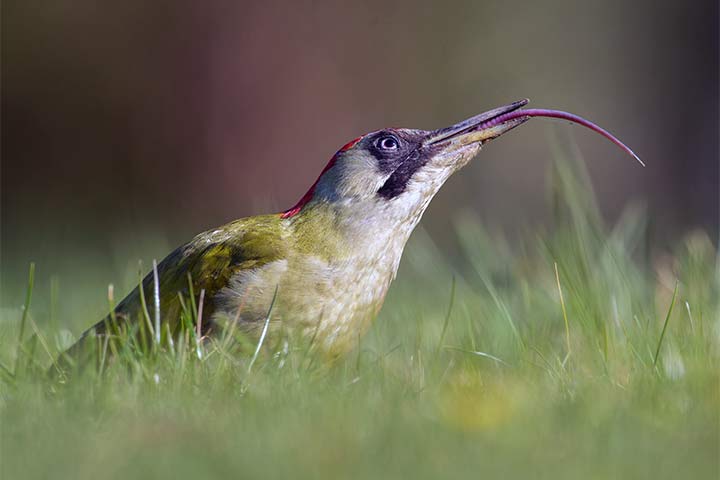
(127, 127)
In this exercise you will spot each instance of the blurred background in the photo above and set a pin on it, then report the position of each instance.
(128, 127)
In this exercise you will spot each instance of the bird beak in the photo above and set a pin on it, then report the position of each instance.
(472, 130)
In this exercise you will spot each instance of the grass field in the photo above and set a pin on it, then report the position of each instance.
(574, 352)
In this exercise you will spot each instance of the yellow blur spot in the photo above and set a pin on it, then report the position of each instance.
(474, 404)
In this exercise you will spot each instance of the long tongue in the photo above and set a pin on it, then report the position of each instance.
(541, 112)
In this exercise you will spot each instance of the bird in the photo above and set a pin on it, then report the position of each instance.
(322, 268)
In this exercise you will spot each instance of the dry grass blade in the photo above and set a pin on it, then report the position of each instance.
(156, 298)
(198, 324)
(564, 311)
(264, 332)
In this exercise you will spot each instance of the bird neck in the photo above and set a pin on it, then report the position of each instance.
(364, 229)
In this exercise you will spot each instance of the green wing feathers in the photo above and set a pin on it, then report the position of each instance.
(209, 261)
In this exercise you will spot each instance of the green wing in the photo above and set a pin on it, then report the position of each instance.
(209, 261)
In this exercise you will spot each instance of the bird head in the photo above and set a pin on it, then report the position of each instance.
(396, 171)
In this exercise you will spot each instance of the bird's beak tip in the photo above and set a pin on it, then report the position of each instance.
(478, 129)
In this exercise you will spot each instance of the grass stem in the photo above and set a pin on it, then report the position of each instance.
(564, 311)
(264, 331)
(667, 319)
(447, 316)
(26, 310)
(156, 298)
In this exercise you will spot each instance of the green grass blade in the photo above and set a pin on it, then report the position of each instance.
(26, 309)
(448, 314)
(664, 329)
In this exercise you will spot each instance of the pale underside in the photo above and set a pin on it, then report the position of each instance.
(331, 289)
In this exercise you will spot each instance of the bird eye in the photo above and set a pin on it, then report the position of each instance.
(388, 142)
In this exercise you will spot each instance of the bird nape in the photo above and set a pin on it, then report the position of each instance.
(321, 269)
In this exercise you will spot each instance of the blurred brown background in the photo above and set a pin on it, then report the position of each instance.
(129, 126)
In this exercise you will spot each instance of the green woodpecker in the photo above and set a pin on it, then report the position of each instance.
(325, 264)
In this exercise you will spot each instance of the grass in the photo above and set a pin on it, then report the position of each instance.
(560, 356)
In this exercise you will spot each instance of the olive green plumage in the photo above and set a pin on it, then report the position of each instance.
(239, 266)
(322, 268)
(208, 262)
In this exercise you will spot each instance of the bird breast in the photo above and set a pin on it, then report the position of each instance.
(331, 300)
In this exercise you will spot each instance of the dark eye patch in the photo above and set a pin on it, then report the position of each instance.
(398, 180)
(400, 163)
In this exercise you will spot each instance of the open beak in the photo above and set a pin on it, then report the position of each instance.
(473, 130)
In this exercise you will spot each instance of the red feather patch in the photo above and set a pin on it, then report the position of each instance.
(311, 191)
